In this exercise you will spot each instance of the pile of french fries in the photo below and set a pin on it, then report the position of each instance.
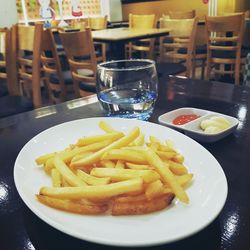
(116, 173)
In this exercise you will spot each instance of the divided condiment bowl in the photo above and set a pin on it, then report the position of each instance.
(192, 128)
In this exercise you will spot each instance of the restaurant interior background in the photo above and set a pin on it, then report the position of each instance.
(26, 11)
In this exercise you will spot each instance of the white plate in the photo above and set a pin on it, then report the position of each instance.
(192, 128)
(175, 223)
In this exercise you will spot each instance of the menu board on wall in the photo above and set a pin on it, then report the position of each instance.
(32, 10)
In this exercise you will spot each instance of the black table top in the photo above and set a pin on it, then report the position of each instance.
(22, 229)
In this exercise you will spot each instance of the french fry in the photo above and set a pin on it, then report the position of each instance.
(91, 180)
(113, 136)
(153, 139)
(43, 158)
(124, 154)
(68, 155)
(142, 207)
(166, 155)
(185, 179)
(139, 141)
(117, 174)
(154, 189)
(137, 166)
(67, 173)
(94, 192)
(176, 168)
(80, 156)
(107, 164)
(72, 206)
(106, 127)
(124, 141)
(119, 164)
(56, 178)
(167, 176)
(114, 172)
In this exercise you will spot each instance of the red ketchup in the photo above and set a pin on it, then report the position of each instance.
(182, 119)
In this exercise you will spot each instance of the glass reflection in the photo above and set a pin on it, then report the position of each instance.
(3, 192)
(81, 102)
(46, 111)
(231, 226)
(242, 113)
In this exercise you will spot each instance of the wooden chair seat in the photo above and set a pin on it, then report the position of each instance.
(54, 79)
(165, 69)
(200, 49)
(87, 87)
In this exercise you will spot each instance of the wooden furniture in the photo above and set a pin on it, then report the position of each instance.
(224, 36)
(5, 62)
(181, 39)
(27, 50)
(82, 60)
(57, 80)
(10, 100)
(22, 229)
(118, 37)
(182, 14)
(146, 46)
(99, 23)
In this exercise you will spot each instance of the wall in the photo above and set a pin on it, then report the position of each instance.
(8, 13)
(231, 6)
(162, 7)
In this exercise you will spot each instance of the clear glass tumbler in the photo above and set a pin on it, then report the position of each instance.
(127, 88)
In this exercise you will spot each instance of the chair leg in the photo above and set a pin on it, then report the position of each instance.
(237, 74)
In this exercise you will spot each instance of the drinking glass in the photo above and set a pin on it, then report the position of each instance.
(127, 88)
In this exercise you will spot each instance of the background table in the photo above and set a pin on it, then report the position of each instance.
(21, 229)
(118, 37)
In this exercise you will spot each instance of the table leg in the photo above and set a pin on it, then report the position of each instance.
(117, 51)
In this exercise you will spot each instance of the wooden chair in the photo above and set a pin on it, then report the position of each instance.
(58, 82)
(182, 35)
(27, 51)
(144, 46)
(224, 36)
(99, 23)
(5, 62)
(11, 102)
(182, 14)
(82, 60)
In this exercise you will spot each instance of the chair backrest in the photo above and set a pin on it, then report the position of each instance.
(179, 27)
(222, 30)
(142, 21)
(224, 36)
(97, 23)
(6, 61)
(52, 66)
(27, 49)
(182, 35)
(79, 49)
(182, 14)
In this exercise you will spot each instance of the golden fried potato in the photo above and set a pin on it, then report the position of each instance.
(73, 206)
(142, 206)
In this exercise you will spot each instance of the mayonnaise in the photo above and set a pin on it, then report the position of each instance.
(214, 124)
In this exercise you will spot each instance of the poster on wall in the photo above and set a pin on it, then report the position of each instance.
(56, 11)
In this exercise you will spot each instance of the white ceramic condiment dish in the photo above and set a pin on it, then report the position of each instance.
(192, 128)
